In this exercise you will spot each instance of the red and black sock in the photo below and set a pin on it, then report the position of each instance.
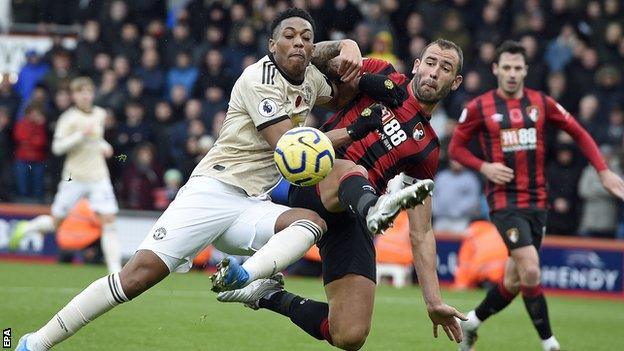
(535, 304)
(496, 299)
(356, 193)
(309, 315)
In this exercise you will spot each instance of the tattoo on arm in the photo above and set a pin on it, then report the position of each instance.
(323, 53)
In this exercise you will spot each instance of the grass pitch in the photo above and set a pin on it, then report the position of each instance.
(182, 314)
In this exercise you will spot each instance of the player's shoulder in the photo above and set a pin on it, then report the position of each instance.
(99, 111)
(262, 72)
(68, 114)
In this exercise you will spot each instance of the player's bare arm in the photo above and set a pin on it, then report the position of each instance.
(424, 252)
(348, 52)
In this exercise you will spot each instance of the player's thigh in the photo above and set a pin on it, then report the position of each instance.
(203, 209)
(351, 300)
(537, 222)
(66, 197)
(252, 228)
(514, 228)
(511, 280)
(101, 198)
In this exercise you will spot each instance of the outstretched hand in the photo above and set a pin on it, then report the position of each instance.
(613, 183)
(446, 316)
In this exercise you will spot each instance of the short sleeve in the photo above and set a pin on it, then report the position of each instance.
(264, 103)
(320, 83)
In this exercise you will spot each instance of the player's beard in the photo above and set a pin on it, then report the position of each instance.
(430, 98)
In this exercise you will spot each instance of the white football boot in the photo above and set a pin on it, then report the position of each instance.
(402, 192)
(251, 294)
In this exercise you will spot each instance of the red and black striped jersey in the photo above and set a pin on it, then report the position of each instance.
(512, 132)
(406, 142)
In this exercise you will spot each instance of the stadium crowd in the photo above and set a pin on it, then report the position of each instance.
(164, 69)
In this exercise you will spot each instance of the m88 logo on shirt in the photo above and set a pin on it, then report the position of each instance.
(518, 139)
(391, 134)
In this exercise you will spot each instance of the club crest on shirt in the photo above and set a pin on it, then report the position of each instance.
(267, 108)
(419, 132)
(533, 112)
(513, 234)
(159, 233)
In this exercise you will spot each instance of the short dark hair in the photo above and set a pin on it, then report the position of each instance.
(291, 12)
(511, 47)
(447, 45)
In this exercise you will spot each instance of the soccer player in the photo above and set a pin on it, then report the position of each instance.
(79, 134)
(510, 122)
(225, 200)
(407, 143)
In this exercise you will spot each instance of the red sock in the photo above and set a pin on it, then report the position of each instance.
(325, 331)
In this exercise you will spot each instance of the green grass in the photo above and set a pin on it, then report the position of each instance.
(182, 314)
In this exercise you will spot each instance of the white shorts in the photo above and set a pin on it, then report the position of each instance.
(100, 195)
(208, 211)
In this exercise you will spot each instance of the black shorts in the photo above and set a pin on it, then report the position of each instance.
(520, 227)
(347, 247)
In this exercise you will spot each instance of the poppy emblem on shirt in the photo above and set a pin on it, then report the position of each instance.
(533, 112)
(513, 234)
(419, 132)
(298, 100)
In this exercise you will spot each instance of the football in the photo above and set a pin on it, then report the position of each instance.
(304, 156)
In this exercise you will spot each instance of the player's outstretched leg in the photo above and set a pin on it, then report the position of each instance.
(385, 210)
(143, 271)
(251, 294)
(297, 230)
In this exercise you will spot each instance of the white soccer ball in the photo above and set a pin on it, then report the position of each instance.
(304, 156)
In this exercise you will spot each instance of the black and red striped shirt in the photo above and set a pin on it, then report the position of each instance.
(407, 142)
(512, 132)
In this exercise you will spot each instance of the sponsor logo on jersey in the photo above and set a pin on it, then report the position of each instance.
(267, 108)
(513, 234)
(419, 132)
(518, 139)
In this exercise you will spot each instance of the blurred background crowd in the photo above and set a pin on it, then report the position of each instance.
(164, 70)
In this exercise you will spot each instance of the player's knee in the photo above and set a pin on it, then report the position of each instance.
(316, 219)
(511, 284)
(344, 167)
(530, 275)
(351, 338)
(141, 273)
(106, 219)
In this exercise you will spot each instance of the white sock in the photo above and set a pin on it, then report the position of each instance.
(550, 344)
(111, 248)
(99, 297)
(473, 321)
(283, 249)
(40, 224)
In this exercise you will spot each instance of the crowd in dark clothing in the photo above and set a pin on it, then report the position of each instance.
(164, 69)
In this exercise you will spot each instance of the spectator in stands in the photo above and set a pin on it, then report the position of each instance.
(89, 45)
(245, 45)
(62, 71)
(163, 196)
(587, 116)
(121, 67)
(183, 73)
(134, 130)
(609, 92)
(562, 195)
(615, 128)
(135, 92)
(179, 96)
(470, 89)
(491, 28)
(456, 198)
(31, 73)
(6, 152)
(162, 131)
(581, 71)
(213, 41)
(559, 51)
(600, 209)
(128, 43)
(151, 73)
(31, 151)
(453, 30)
(558, 89)
(140, 179)
(9, 99)
(116, 16)
(109, 92)
(179, 41)
(536, 77)
(344, 16)
(382, 48)
(101, 63)
(483, 65)
(212, 72)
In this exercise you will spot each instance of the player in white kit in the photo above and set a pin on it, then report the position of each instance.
(225, 201)
(79, 134)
